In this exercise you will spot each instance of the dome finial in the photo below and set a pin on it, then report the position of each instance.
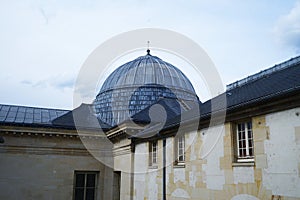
(148, 50)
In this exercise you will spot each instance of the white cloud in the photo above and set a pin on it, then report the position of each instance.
(288, 28)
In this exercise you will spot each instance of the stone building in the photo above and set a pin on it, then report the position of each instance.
(143, 138)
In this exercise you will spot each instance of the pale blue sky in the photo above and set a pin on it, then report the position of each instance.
(44, 43)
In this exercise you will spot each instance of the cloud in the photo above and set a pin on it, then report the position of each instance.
(60, 82)
(26, 82)
(287, 29)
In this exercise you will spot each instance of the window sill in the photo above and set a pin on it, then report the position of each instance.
(179, 165)
(153, 167)
(243, 164)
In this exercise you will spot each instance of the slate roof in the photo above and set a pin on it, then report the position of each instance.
(56, 118)
(84, 118)
(280, 82)
(264, 87)
(12, 114)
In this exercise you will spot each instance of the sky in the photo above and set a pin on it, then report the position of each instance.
(43, 44)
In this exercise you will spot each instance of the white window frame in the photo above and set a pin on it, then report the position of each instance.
(153, 147)
(180, 150)
(244, 132)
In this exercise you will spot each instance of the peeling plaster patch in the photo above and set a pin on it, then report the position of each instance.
(152, 186)
(191, 139)
(141, 158)
(243, 175)
(193, 177)
(213, 175)
(139, 190)
(193, 153)
(281, 176)
(141, 167)
(169, 158)
(180, 193)
(244, 197)
(297, 134)
(179, 175)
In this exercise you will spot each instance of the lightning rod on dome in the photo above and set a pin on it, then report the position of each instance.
(148, 49)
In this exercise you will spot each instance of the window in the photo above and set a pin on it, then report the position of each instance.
(179, 147)
(85, 185)
(244, 142)
(116, 185)
(153, 153)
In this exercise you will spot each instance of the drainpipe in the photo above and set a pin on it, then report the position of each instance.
(164, 169)
(1, 139)
(132, 171)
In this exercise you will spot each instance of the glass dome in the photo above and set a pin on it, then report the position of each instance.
(140, 83)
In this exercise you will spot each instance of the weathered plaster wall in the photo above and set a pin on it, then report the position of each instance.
(210, 171)
(212, 151)
(282, 175)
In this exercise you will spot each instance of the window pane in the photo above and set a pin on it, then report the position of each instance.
(79, 194)
(90, 194)
(241, 152)
(251, 152)
(180, 158)
(243, 127)
(244, 143)
(90, 180)
(249, 134)
(250, 143)
(249, 125)
(240, 144)
(244, 152)
(79, 180)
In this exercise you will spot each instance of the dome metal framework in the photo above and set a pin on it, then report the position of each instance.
(140, 83)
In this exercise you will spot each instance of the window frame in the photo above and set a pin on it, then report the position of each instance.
(241, 131)
(179, 150)
(153, 154)
(85, 187)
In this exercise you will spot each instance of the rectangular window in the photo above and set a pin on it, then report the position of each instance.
(244, 142)
(153, 153)
(179, 147)
(85, 185)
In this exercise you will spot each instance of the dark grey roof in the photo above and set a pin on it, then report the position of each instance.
(84, 118)
(266, 72)
(278, 84)
(13, 114)
(264, 89)
(169, 108)
(56, 118)
(271, 85)
(138, 84)
(144, 70)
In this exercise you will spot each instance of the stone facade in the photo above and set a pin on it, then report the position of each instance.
(40, 164)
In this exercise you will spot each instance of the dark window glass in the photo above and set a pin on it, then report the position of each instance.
(85, 185)
(90, 180)
(80, 180)
(79, 194)
(90, 194)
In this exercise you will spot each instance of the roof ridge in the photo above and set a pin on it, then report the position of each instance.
(276, 68)
(34, 107)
